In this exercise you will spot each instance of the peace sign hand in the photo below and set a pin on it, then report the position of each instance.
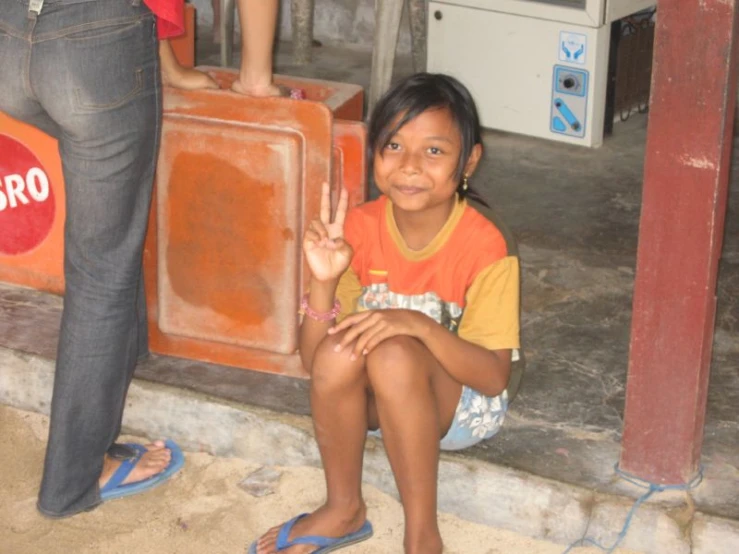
(326, 252)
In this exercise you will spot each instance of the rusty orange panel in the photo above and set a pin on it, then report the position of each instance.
(237, 181)
(31, 207)
(183, 46)
(350, 168)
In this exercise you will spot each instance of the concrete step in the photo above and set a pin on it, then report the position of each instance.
(471, 488)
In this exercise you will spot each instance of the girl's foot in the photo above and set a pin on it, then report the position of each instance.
(325, 521)
(188, 79)
(257, 91)
(153, 462)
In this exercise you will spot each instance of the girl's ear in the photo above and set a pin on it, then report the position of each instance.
(473, 160)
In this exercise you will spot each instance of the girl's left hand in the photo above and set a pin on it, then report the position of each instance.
(372, 327)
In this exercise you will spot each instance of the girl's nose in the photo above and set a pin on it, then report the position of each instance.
(410, 163)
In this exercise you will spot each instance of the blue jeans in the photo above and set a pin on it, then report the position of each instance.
(87, 72)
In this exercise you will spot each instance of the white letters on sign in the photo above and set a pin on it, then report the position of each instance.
(16, 191)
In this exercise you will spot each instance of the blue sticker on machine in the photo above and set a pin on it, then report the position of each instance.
(573, 47)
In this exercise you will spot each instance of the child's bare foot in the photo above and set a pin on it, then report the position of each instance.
(153, 462)
(188, 79)
(262, 91)
(325, 521)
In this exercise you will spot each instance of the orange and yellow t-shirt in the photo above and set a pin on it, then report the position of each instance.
(466, 278)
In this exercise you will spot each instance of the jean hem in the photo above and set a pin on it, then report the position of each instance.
(63, 515)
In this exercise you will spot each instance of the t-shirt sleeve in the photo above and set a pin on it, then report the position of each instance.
(350, 288)
(491, 314)
(347, 293)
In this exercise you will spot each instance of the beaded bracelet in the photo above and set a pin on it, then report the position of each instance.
(323, 317)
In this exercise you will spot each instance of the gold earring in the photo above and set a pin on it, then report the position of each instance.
(464, 183)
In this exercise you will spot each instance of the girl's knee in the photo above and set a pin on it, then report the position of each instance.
(334, 369)
(396, 365)
(401, 350)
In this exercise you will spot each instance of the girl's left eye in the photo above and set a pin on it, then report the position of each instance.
(435, 150)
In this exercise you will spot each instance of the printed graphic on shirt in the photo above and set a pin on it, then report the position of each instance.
(379, 297)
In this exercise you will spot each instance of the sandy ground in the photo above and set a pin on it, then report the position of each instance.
(202, 510)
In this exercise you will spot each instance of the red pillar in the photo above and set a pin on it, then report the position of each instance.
(686, 174)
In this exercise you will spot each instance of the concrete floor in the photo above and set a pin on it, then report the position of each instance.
(575, 213)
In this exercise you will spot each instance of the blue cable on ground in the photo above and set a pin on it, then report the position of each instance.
(652, 488)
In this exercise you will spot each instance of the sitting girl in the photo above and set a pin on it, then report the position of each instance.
(411, 319)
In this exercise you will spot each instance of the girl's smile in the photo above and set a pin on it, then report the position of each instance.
(409, 190)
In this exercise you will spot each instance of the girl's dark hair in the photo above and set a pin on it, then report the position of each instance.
(414, 95)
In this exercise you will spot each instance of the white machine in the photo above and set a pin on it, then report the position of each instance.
(534, 67)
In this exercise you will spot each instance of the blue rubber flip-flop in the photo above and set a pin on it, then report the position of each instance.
(114, 487)
(324, 544)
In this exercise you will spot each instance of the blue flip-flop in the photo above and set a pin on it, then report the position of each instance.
(324, 544)
(114, 487)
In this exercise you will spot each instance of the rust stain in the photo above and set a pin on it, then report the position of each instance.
(220, 235)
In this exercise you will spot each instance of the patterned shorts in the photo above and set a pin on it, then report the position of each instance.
(478, 417)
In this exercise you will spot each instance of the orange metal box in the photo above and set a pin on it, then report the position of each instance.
(237, 182)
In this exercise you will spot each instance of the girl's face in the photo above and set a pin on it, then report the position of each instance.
(416, 170)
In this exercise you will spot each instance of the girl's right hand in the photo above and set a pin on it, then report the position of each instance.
(327, 253)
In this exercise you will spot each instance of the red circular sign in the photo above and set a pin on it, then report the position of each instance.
(26, 198)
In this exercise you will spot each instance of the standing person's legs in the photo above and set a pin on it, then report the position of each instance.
(216, 5)
(177, 76)
(258, 26)
(16, 98)
(92, 68)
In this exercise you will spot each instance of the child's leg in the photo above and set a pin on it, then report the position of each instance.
(174, 75)
(416, 400)
(216, 5)
(339, 405)
(258, 22)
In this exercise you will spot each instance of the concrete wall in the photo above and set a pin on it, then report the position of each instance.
(337, 22)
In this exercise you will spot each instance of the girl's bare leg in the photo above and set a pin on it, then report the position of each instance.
(340, 418)
(416, 400)
(174, 75)
(258, 22)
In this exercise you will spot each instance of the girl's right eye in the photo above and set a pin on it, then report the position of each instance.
(392, 146)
